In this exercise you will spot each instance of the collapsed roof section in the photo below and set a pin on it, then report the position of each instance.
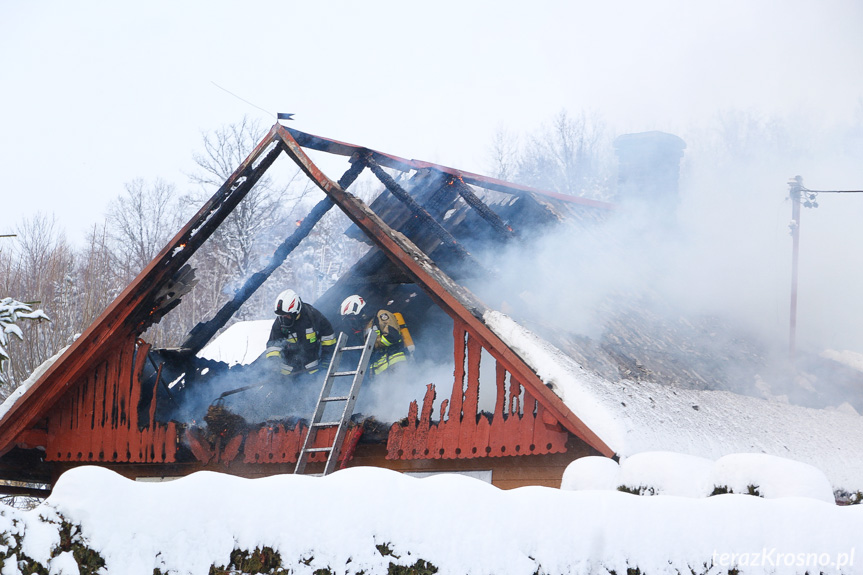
(441, 200)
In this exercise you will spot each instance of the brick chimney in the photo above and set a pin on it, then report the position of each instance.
(649, 171)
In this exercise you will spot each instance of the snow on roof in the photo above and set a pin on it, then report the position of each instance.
(28, 383)
(242, 343)
(633, 417)
(460, 525)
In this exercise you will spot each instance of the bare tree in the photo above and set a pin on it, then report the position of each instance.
(569, 156)
(141, 222)
(99, 280)
(40, 270)
(504, 154)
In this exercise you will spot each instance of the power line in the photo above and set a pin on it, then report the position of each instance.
(242, 99)
(831, 191)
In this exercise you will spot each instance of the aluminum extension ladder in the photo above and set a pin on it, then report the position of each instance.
(325, 399)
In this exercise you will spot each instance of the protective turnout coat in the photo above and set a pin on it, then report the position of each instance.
(389, 344)
(306, 344)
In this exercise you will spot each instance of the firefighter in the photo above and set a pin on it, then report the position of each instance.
(301, 339)
(393, 339)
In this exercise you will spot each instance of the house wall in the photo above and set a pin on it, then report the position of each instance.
(507, 472)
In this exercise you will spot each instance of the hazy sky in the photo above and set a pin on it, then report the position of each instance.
(98, 93)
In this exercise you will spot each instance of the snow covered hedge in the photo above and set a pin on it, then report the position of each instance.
(667, 473)
(368, 520)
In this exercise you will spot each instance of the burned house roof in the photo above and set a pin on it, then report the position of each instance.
(419, 253)
(436, 229)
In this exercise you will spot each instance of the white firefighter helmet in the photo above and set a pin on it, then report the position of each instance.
(288, 302)
(353, 305)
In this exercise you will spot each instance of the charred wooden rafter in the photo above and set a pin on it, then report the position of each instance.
(417, 210)
(482, 209)
(223, 203)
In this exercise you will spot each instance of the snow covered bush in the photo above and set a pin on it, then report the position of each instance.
(11, 311)
(593, 472)
(667, 473)
(771, 477)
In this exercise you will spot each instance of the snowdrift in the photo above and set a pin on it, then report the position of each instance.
(364, 519)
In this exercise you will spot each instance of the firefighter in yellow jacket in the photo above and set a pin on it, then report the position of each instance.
(393, 341)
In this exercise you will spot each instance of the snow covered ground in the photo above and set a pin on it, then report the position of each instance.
(460, 525)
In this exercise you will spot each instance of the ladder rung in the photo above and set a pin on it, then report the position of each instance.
(317, 449)
(343, 373)
(338, 398)
(327, 424)
(353, 347)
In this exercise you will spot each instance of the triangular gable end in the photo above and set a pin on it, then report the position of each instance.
(109, 347)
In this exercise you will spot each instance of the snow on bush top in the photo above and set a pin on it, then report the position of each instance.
(772, 476)
(664, 473)
(593, 472)
(668, 473)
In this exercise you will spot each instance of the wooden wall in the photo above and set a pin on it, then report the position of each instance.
(507, 472)
(97, 418)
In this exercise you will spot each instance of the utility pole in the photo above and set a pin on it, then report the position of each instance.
(795, 186)
(801, 197)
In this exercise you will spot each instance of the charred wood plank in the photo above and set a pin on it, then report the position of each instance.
(196, 237)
